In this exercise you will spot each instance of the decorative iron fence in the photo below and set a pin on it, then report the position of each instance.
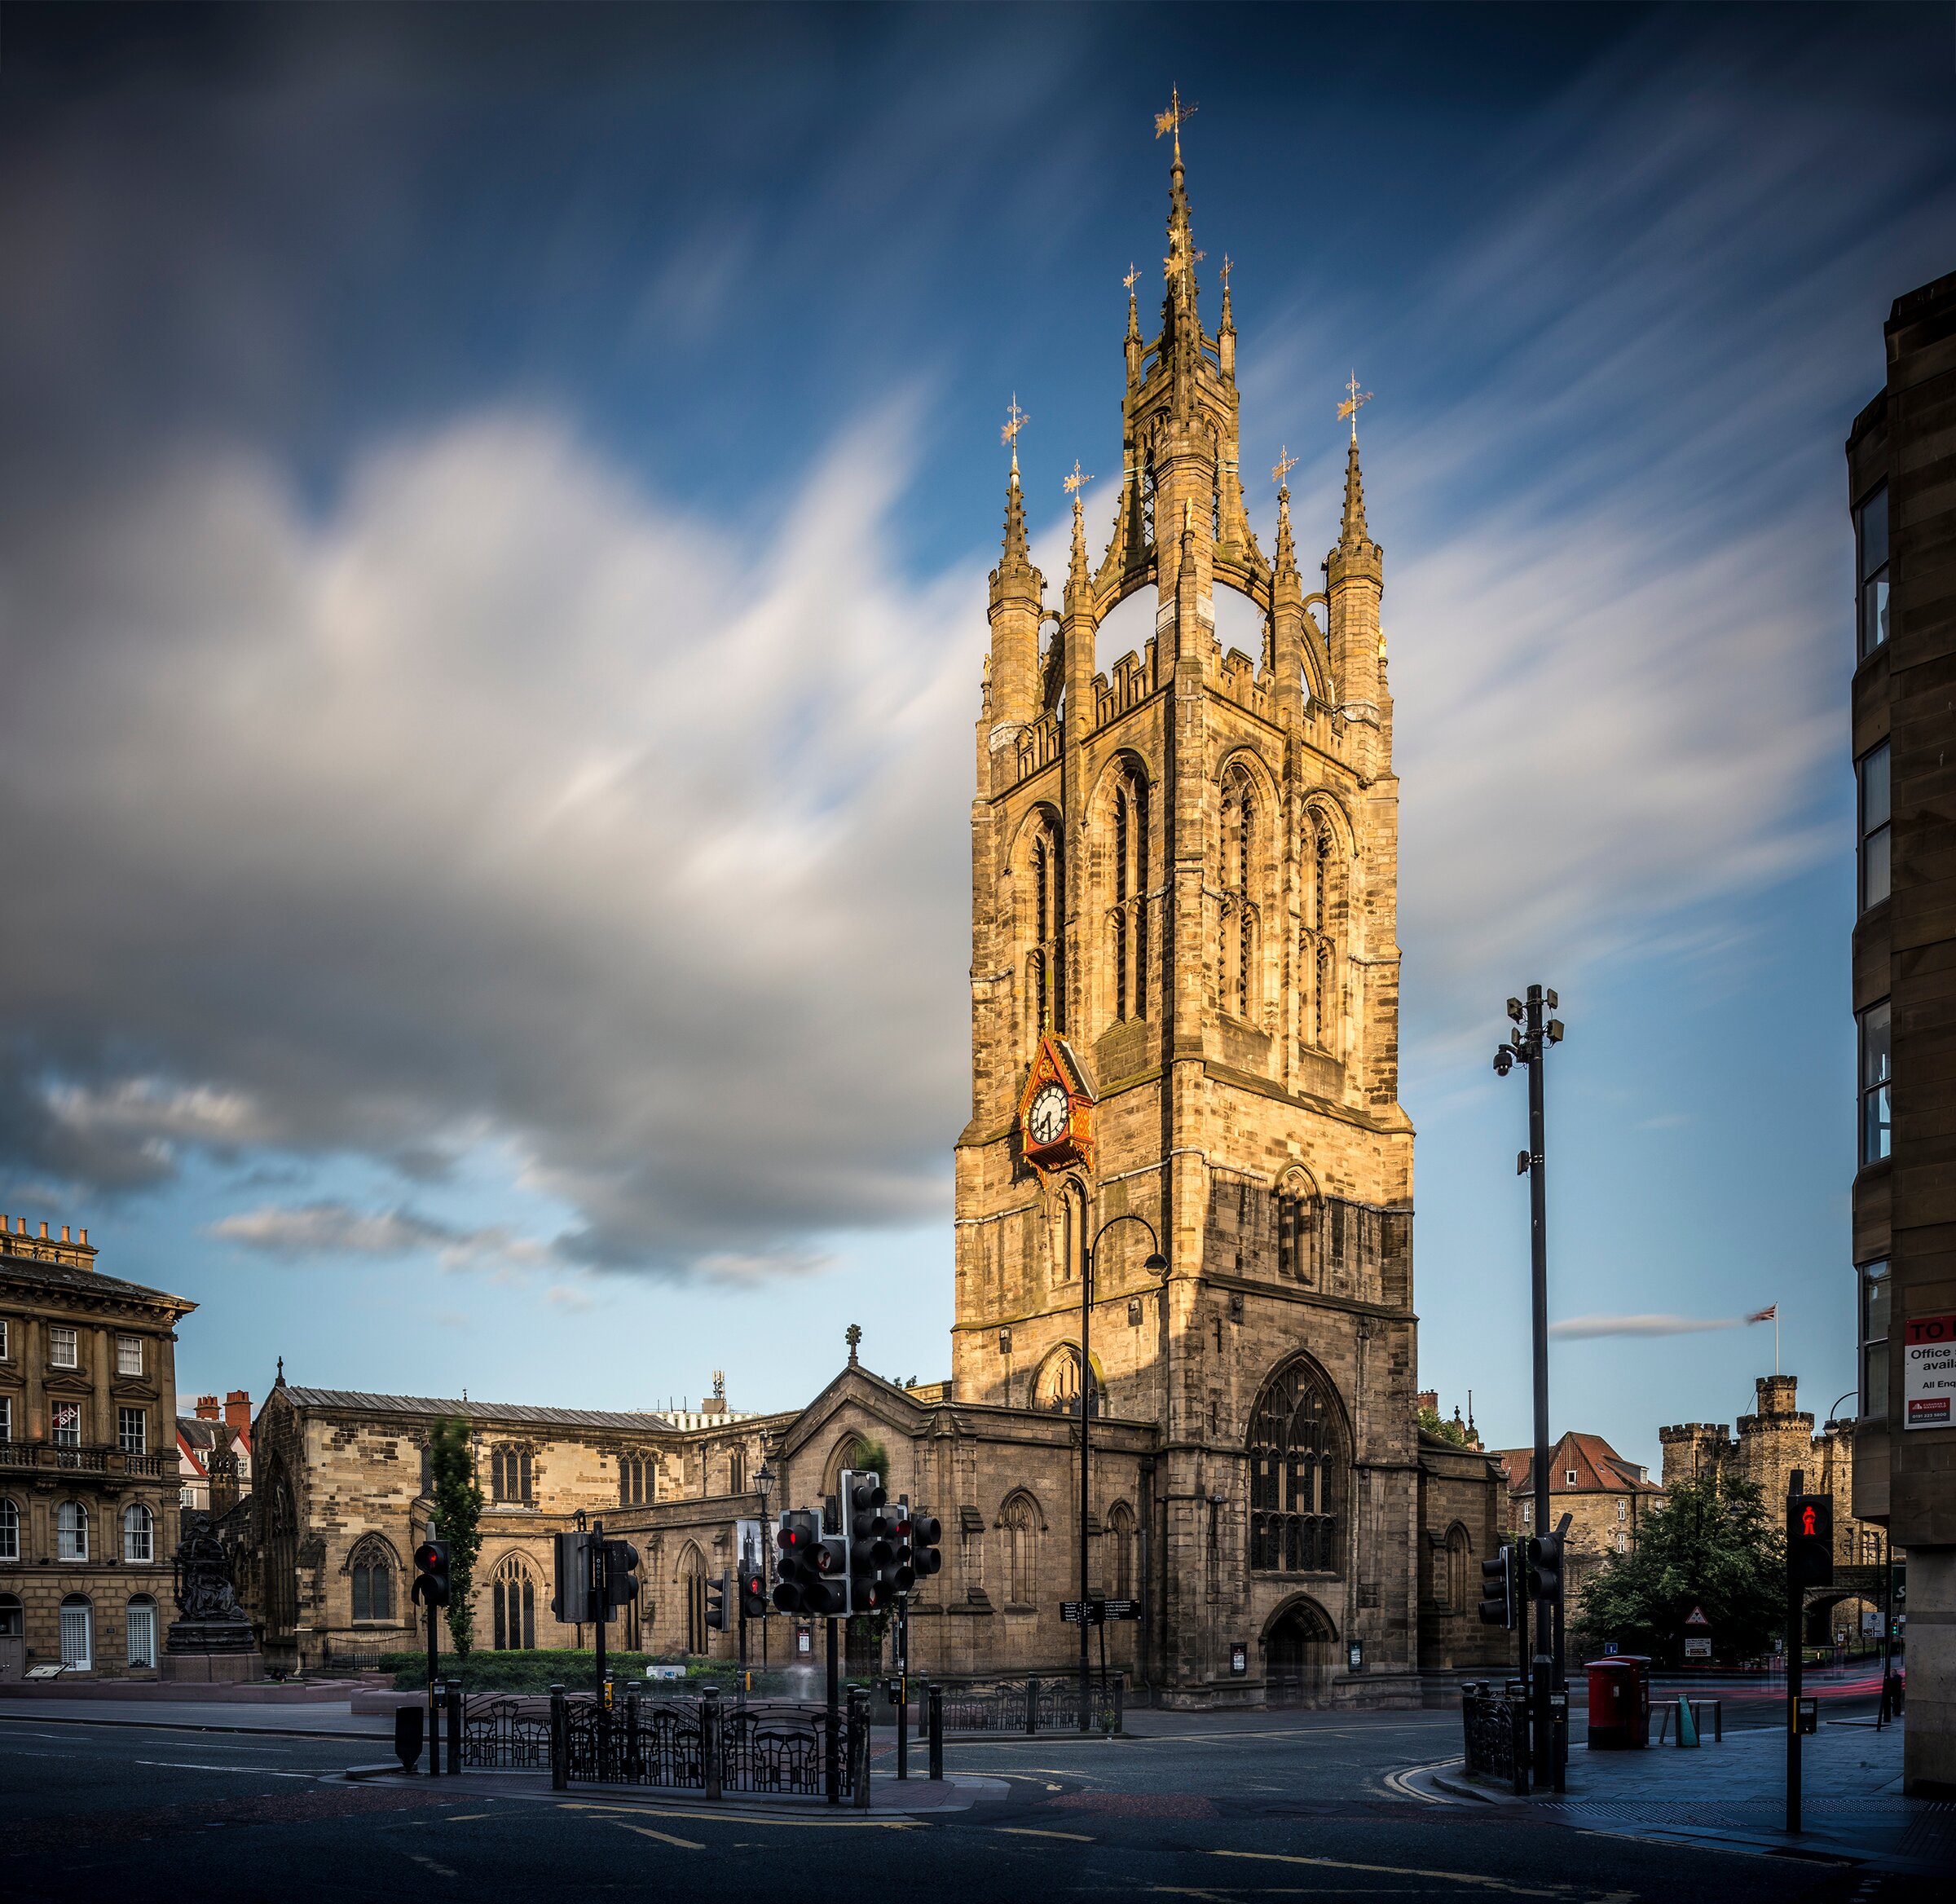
(1029, 1705)
(499, 1732)
(1496, 1725)
(707, 1745)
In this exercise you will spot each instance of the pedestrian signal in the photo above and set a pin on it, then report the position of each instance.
(1809, 1539)
(1497, 1590)
(716, 1603)
(430, 1585)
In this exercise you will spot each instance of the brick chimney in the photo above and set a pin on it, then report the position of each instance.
(237, 1414)
(1427, 1398)
(207, 1408)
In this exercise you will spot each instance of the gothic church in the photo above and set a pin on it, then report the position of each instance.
(1184, 1079)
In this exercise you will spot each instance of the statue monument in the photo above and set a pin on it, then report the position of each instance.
(211, 1638)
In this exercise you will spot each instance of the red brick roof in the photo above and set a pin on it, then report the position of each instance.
(1598, 1467)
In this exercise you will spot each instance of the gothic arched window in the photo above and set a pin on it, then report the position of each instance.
(1057, 1389)
(1297, 1230)
(1046, 911)
(1320, 938)
(1129, 910)
(1120, 1570)
(1070, 1232)
(693, 1589)
(373, 1570)
(509, 1474)
(1021, 1566)
(513, 1602)
(1296, 1474)
(1236, 953)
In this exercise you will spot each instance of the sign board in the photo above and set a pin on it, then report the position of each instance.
(653, 1670)
(1354, 1656)
(1239, 1656)
(1928, 1372)
(68, 1421)
(804, 1638)
(1610, 1649)
(1696, 1617)
(1122, 1609)
(1698, 1649)
(1098, 1612)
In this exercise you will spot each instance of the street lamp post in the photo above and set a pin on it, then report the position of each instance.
(1156, 1263)
(1529, 1047)
(764, 1485)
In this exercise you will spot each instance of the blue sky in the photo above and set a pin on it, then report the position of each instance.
(493, 520)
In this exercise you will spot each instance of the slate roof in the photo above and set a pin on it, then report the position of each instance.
(1597, 1464)
(84, 1282)
(359, 1402)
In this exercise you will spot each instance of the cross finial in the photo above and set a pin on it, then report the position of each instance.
(1132, 278)
(1171, 120)
(1015, 420)
(1285, 463)
(1227, 268)
(1355, 399)
(1076, 482)
(852, 1335)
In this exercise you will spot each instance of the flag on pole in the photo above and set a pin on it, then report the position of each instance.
(1767, 1315)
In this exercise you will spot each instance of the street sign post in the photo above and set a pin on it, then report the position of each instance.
(1809, 1564)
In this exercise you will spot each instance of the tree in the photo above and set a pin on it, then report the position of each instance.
(1711, 1546)
(458, 1513)
(1434, 1423)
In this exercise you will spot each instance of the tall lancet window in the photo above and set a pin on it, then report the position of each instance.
(1236, 960)
(1044, 991)
(1130, 897)
(1320, 935)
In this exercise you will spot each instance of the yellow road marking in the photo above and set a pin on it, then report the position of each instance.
(1402, 1870)
(646, 1831)
(1026, 1832)
(465, 1817)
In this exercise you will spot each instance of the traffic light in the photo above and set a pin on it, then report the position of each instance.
(1809, 1541)
(809, 1567)
(1545, 1565)
(621, 1574)
(716, 1603)
(753, 1596)
(896, 1569)
(926, 1533)
(1497, 1590)
(573, 1603)
(866, 1535)
(431, 1573)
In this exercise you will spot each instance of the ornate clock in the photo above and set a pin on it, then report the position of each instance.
(1054, 1109)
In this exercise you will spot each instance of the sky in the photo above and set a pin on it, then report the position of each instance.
(494, 513)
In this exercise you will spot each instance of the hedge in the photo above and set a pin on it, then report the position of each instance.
(576, 1671)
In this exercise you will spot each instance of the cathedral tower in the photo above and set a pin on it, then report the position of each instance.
(1184, 872)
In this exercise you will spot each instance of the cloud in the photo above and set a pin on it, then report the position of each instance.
(501, 803)
(330, 1229)
(1587, 1328)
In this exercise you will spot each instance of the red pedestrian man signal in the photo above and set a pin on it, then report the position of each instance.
(1809, 1522)
(1809, 1541)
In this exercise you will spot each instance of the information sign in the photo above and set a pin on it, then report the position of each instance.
(1239, 1656)
(1928, 1371)
(1697, 1649)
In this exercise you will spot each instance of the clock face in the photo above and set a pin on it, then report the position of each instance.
(1046, 1121)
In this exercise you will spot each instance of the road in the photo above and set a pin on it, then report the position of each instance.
(1254, 1807)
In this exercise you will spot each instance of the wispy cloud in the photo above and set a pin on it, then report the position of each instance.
(1585, 1328)
(330, 1231)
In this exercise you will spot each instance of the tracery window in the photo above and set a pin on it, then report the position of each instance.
(1057, 1390)
(635, 1480)
(512, 1605)
(1021, 1567)
(1069, 1232)
(1235, 960)
(373, 1571)
(1296, 1475)
(1318, 966)
(509, 1477)
(1129, 909)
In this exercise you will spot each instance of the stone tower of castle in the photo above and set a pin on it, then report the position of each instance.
(1184, 869)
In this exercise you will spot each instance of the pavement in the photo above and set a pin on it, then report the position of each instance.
(1732, 1795)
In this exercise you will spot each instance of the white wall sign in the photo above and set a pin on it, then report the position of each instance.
(1928, 1372)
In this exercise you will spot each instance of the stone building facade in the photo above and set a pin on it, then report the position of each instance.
(213, 1453)
(1605, 1497)
(88, 1463)
(1184, 1102)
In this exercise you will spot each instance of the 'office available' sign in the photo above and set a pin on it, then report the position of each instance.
(1928, 1378)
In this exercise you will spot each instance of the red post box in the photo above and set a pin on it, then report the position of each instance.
(1619, 1702)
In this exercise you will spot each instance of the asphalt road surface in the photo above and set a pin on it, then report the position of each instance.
(1257, 1807)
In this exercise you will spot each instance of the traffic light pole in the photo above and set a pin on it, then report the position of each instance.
(1541, 1675)
(435, 1750)
(600, 1609)
(833, 1717)
(1795, 1607)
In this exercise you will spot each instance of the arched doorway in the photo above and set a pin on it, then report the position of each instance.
(1298, 1650)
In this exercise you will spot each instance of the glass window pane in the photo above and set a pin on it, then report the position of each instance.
(1874, 612)
(1874, 788)
(1875, 875)
(1874, 532)
(1874, 1381)
(1876, 1045)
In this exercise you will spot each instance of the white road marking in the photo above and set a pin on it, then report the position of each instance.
(646, 1831)
(440, 1870)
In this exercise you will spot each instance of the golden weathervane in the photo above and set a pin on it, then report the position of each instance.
(1286, 462)
(1355, 400)
(1171, 120)
(1132, 278)
(1076, 482)
(1015, 420)
(1226, 268)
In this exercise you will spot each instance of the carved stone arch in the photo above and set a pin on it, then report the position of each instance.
(1119, 1568)
(1246, 840)
(1124, 842)
(372, 1546)
(1036, 868)
(1299, 1206)
(1056, 1382)
(1067, 1216)
(1300, 1642)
